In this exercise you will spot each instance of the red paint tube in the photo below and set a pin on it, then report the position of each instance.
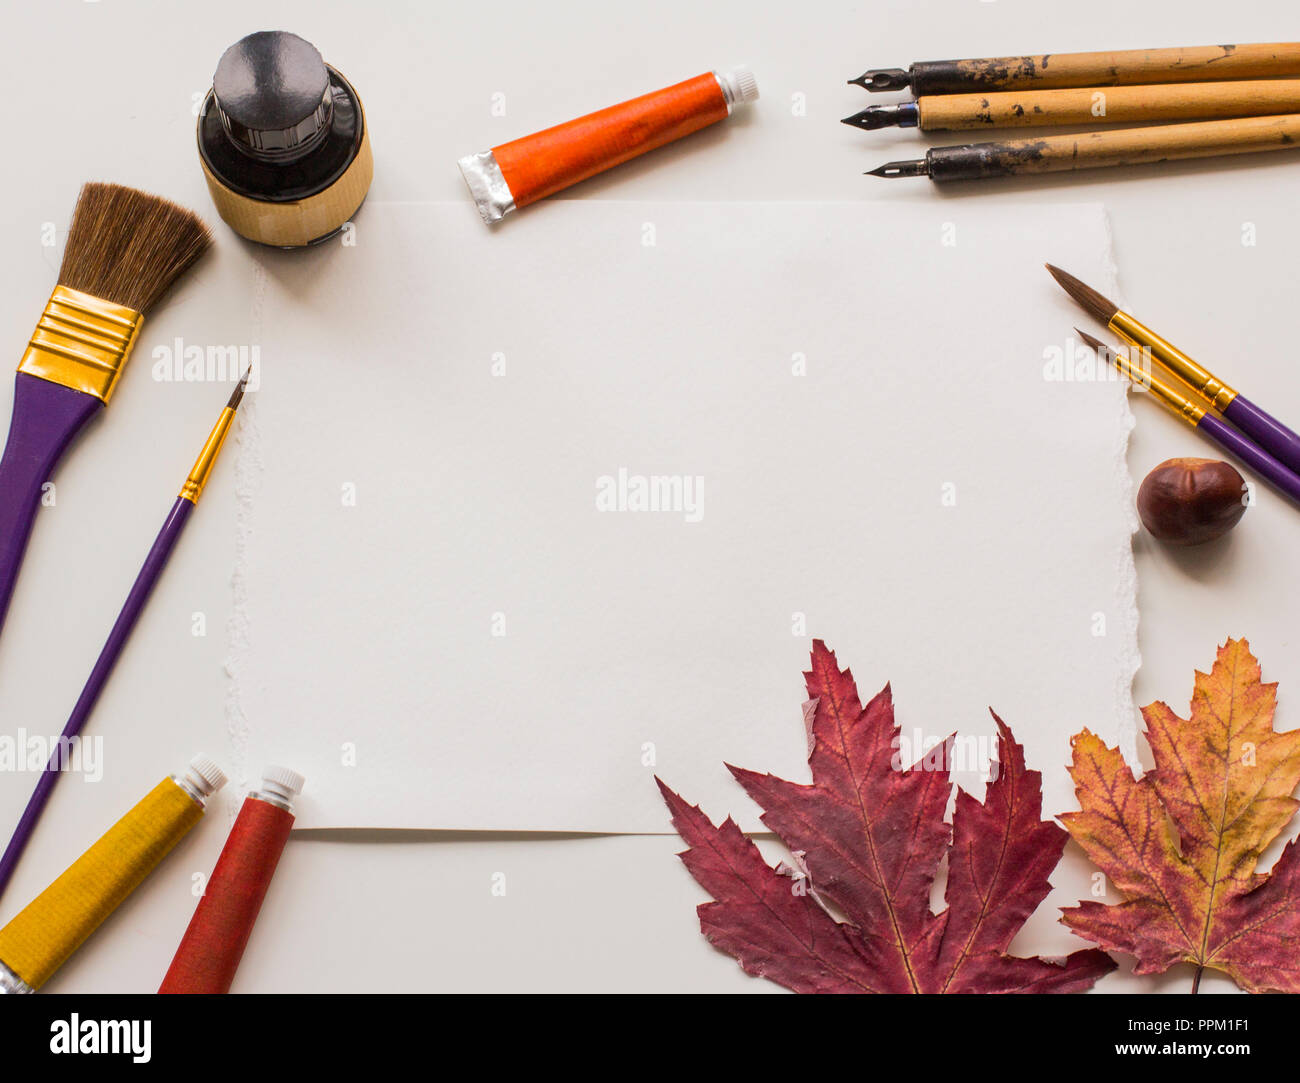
(525, 170)
(218, 933)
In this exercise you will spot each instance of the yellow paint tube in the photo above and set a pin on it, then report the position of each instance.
(54, 924)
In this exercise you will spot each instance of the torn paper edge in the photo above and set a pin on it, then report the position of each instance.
(249, 467)
(1126, 580)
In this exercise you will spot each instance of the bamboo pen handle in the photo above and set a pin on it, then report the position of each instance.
(1190, 65)
(1120, 146)
(1110, 105)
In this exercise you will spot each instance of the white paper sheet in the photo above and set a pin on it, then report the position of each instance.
(866, 440)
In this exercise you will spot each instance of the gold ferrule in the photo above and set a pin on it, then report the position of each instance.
(1204, 383)
(193, 487)
(82, 342)
(1189, 410)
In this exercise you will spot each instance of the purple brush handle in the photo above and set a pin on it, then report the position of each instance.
(46, 417)
(1267, 467)
(1266, 430)
(154, 564)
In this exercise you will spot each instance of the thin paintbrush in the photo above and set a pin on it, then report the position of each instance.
(126, 621)
(1195, 414)
(124, 249)
(1269, 433)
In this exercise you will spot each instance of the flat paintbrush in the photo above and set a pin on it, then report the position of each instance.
(1264, 429)
(1198, 417)
(124, 249)
(136, 600)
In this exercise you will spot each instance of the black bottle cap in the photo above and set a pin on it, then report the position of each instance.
(272, 90)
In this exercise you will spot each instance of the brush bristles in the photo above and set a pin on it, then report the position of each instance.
(1103, 351)
(127, 246)
(1097, 306)
(237, 396)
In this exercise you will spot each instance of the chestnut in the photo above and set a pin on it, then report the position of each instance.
(1191, 501)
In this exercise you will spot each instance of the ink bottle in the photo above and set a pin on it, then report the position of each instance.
(283, 142)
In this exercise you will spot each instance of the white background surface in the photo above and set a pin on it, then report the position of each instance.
(104, 91)
(640, 643)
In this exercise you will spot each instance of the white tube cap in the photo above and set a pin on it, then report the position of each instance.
(205, 775)
(282, 782)
(738, 85)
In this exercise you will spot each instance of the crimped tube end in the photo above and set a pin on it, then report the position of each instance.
(487, 185)
(12, 983)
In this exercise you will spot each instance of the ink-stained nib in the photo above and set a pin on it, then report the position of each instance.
(918, 167)
(878, 79)
(874, 117)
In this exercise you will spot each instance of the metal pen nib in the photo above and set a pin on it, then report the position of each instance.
(897, 115)
(878, 79)
(918, 167)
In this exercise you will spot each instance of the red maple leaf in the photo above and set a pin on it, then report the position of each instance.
(872, 837)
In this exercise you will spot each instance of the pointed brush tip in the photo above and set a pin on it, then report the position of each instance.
(1092, 340)
(237, 396)
(1097, 305)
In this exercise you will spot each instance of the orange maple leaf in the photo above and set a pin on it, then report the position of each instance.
(1183, 842)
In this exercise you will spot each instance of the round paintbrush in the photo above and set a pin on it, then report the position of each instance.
(1198, 417)
(1264, 429)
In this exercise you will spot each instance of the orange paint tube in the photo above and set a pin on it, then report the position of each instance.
(525, 170)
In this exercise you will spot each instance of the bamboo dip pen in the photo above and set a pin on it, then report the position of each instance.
(1128, 67)
(1093, 150)
(1085, 105)
(1238, 98)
